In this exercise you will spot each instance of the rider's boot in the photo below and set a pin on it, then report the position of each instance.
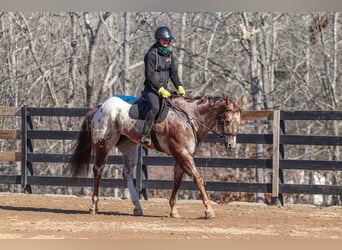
(148, 123)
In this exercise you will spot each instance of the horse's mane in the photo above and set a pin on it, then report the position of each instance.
(199, 99)
(202, 100)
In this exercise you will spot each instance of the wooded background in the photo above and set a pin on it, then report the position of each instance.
(287, 61)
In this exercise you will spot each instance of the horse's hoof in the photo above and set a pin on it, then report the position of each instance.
(138, 212)
(209, 214)
(174, 215)
(92, 210)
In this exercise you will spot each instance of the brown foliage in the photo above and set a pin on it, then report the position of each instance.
(317, 25)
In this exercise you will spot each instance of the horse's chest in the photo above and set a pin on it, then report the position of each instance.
(175, 136)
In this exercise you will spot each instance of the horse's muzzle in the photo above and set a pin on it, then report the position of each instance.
(230, 142)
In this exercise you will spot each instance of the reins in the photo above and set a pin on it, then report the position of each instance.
(190, 119)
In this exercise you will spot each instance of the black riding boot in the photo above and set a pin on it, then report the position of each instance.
(148, 123)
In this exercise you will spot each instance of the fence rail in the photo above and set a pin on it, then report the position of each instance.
(277, 163)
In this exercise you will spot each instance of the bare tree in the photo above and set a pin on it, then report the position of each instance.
(182, 45)
(126, 71)
(93, 36)
(249, 35)
(73, 60)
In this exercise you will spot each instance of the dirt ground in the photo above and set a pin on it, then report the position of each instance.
(24, 216)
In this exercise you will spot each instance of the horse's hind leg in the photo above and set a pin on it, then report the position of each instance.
(128, 176)
(101, 154)
(178, 175)
(129, 151)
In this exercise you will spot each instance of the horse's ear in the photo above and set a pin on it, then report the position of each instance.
(240, 103)
(229, 105)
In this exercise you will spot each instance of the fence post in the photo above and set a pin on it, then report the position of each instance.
(29, 143)
(23, 147)
(138, 181)
(144, 172)
(275, 158)
(282, 156)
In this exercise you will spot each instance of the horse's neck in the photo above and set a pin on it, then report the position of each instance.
(204, 114)
(209, 115)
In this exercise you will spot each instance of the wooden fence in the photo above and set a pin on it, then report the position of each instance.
(277, 163)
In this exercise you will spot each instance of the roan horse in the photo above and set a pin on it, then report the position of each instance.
(189, 120)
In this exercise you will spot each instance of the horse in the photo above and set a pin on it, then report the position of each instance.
(188, 121)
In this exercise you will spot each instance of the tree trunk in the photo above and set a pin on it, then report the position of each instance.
(92, 37)
(126, 71)
(73, 61)
(13, 87)
(181, 45)
(72, 73)
(90, 63)
(250, 37)
(336, 28)
(335, 150)
(206, 78)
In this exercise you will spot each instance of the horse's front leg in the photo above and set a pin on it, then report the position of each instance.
(188, 164)
(209, 211)
(128, 176)
(178, 175)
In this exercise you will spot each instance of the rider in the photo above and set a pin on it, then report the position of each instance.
(160, 66)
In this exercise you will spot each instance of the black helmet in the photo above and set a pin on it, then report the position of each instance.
(163, 32)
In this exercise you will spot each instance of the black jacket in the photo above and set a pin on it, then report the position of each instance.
(159, 69)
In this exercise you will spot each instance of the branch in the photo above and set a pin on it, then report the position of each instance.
(44, 73)
(246, 35)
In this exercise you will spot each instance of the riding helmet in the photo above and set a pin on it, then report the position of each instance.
(163, 32)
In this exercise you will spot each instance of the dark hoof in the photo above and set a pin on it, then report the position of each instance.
(138, 212)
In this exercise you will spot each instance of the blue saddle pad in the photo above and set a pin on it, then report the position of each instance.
(140, 108)
(128, 98)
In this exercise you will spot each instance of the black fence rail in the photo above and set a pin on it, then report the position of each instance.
(277, 163)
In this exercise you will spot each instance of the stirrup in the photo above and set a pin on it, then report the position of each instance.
(145, 139)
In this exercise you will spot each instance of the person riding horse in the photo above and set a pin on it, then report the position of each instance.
(160, 66)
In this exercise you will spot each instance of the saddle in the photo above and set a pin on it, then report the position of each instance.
(140, 108)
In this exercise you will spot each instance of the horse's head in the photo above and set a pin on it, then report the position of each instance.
(231, 119)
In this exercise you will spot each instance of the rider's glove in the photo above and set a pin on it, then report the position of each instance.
(164, 93)
(181, 90)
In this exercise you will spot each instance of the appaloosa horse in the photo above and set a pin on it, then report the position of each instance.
(188, 121)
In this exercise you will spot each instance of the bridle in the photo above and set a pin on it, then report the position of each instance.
(226, 124)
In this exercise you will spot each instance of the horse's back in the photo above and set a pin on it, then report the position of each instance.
(112, 107)
(108, 115)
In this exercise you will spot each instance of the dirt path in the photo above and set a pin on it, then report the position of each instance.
(59, 217)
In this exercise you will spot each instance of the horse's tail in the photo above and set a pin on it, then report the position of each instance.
(82, 150)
